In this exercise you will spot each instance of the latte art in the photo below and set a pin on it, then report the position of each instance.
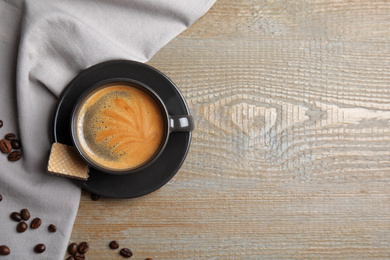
(120, 127)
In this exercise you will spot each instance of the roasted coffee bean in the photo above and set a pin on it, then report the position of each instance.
(70, 258)
(148, 259)
(35, 223)
(95, 197)
(4, 250)
(15, 144)
(5, 146)
(52, 228)
(1, 123)
(1, 197)
(114, 244)
(72, 249)
(25, 214)
(21, 227)
(15, 216)
(125, 252)
(10, 136)
(14, 156)
(83, 248)
(79, 256)
(40, 248)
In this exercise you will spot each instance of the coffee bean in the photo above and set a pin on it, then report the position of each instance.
(25, 214)
(52, 228)
(15, 144)
(70, 258)
(125, 252)
(36, 223)
(72, 249)
(21, 227)
(114, 244)
(79, 256)
(1, 123)
(14, 156)
(5, 146)
(1, 197)
(83, 247)
(4, 250)
(40, 248)
(10, 136)
(148, 259)
(95, 197)
(15, 216)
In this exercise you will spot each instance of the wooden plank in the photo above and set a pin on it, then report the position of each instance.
(290, 157)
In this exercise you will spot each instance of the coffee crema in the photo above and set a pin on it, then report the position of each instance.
(120, 127)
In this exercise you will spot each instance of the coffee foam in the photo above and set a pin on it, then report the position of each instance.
(120, 127)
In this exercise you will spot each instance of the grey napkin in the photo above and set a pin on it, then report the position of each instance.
(43, 45)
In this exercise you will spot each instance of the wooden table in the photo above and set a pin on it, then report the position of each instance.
(291, 153)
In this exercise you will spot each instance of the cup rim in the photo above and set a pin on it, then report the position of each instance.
(83, 97)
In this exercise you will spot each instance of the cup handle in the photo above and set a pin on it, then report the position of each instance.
(183, 123)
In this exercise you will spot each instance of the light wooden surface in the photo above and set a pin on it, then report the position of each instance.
(291, 153)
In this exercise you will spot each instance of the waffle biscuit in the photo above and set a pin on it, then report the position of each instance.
(65, 161)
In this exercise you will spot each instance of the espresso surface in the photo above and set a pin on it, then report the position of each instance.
(120, 127)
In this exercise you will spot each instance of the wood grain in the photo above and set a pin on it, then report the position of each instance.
(290, 157)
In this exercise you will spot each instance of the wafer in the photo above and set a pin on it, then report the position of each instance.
(65, 161)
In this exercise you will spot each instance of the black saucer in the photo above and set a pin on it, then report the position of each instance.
(165, 167)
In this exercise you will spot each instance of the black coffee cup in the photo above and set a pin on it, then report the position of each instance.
(171, 124)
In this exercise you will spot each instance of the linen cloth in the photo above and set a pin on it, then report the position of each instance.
(43, 45)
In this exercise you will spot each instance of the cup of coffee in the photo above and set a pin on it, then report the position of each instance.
(121, 126)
